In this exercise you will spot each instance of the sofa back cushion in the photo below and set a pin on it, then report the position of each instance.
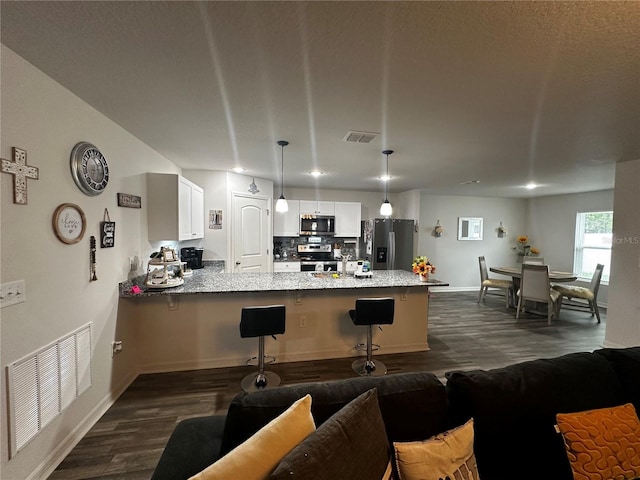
(626, 363)
(514, 410)
(413, 405)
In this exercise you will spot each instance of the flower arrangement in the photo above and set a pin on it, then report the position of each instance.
(422, 266)
(438, 230)
(522, 248)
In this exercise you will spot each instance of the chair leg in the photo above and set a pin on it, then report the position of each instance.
(480, 294)
(594, 308)
(518, 308)
(550, 306)
(507, 295)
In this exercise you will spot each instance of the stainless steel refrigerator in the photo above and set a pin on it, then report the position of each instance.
(388, 243)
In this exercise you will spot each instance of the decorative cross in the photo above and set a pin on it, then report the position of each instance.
(20, 171)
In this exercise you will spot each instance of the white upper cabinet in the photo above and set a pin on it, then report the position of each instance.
(287, 224)
(175, 208)
(311, 207)
(348, 216)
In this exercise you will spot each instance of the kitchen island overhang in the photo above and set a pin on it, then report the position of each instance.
(196, 325)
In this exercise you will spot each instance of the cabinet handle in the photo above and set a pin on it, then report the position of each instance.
(237, 263)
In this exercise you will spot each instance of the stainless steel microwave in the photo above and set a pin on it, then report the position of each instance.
(317, 225)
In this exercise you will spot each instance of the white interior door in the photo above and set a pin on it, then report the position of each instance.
(251, 251)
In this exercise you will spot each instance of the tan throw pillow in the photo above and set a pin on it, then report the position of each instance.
(602, 443)
(257, 457)
(448, 454)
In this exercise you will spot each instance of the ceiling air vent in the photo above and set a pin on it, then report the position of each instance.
(360, 137)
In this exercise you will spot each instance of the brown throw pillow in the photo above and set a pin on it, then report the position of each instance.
(602, 443)
(446, 455)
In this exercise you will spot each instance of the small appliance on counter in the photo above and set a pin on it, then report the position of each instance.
(363, 270)
(192, 256)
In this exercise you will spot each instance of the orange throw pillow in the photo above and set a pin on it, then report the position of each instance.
(602, 443)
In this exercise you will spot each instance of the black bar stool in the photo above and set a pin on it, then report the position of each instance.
(369, 312)
(258, 322)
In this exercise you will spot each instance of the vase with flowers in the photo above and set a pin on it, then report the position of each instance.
(523, 249)
(422, 267)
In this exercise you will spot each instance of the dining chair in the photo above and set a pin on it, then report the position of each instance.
(535, 286)
(486, 283)
(534, 260)
(590, 294)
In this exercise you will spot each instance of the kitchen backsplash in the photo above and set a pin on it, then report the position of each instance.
(289, 245)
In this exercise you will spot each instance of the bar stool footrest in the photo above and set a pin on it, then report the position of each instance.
(362, 347)
(268, 360)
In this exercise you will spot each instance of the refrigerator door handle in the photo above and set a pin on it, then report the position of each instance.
(392, 251)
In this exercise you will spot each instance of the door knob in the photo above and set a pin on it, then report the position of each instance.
(237, 263)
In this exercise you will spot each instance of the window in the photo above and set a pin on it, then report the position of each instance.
(594, 236)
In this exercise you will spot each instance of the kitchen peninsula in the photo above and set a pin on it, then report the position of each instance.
(196, 325)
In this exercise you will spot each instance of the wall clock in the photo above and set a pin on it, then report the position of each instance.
(89, 169)
(69, 223)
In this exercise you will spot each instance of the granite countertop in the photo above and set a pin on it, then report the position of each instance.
(211, 279)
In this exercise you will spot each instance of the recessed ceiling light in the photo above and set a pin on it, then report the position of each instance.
(530, 186)
(316, 173)
(470, 182)
(385, 178)
(238, 169)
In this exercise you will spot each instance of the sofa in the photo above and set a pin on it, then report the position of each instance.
(513, 410)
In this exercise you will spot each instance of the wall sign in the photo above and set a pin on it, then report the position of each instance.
(128, 200)
(107, 231)
(69, 223)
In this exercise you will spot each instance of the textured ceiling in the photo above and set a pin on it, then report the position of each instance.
(500, 92)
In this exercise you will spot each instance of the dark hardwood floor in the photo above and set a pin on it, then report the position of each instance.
(128, 440)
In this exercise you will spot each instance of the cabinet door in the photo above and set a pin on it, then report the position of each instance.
(326, 208)
(197, 212)
(286, 266)
(308, 207)
(287, 224)
(184, 209)
(348, 216)
(317, 208)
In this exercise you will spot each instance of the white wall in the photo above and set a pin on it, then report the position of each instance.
(551, 221)
(623, 314)
(456, 260)
(46, 120)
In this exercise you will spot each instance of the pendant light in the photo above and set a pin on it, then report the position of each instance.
(281, 205)
(385, 209)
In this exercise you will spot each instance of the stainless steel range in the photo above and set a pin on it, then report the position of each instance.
(316, 258)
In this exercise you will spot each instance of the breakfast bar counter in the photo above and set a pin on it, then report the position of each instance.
(196, 325)
(211, 280)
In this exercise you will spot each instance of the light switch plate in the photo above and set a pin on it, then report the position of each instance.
(12, 293)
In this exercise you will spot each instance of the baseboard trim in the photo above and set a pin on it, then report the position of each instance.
(58, 454)
(281, 358)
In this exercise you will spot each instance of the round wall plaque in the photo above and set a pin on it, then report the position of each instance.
(69, 223)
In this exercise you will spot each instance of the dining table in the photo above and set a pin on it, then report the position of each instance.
(516, 273)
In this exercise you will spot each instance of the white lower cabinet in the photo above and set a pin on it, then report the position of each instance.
(286, 266)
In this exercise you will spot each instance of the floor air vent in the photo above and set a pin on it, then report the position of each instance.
(360, 137)
(44, 383)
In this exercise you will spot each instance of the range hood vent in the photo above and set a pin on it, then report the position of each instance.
(360, 137)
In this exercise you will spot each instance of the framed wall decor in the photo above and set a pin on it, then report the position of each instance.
(69, 223)
(470, 228)
(129, 201)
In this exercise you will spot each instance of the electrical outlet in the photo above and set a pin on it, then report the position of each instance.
(403, 295)
(303, 321)
(116, 347)
(12, 293)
